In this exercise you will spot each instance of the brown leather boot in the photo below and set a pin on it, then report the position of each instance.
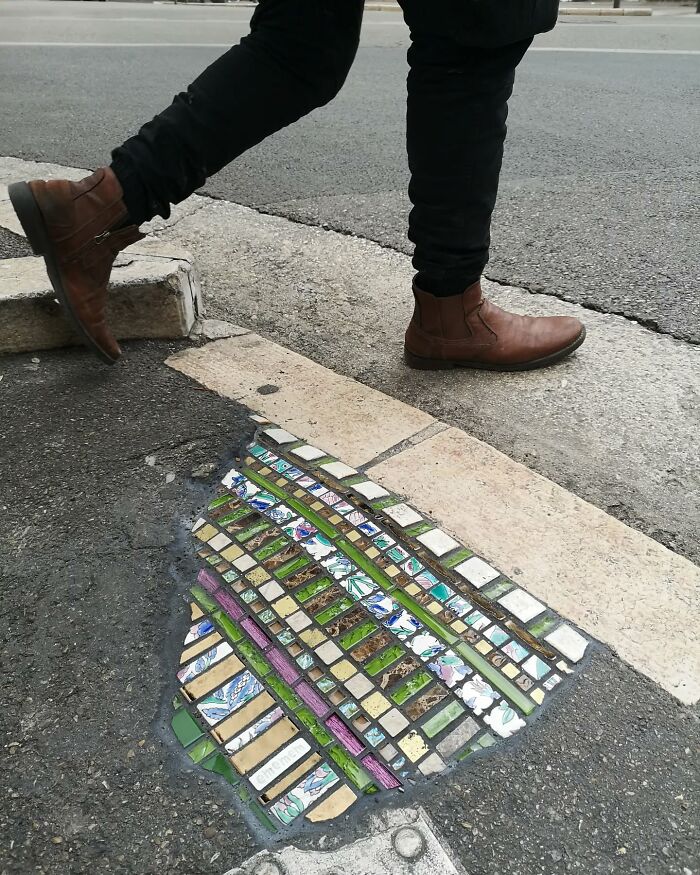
(75, 226)
(467, 331)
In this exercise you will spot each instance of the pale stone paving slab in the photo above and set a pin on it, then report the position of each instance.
(308, 398)
(620, 586)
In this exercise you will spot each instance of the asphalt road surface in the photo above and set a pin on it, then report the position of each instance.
(604, 783)
(599, 197)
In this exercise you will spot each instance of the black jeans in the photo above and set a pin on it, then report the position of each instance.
(296, 58)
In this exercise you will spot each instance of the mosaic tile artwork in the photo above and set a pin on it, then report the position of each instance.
(341, 645)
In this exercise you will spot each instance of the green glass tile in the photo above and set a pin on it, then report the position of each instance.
(486, 740)
(299, 506)
(214, 560)
(441, 592)
(221, 766)
(270, 548)
(497, 589)
(356, 478)
(357, 634)
(267, 617)
(316, 463)
(543, 626)
(418, 529)
(332, 612)
(230, 575)
(247, 534)
(457, 558)
(380, 503)
(234, 516)
(292, 566)
(494, 677)
(254, 658)
(410, 687)
(185, 728)
(205, 600)
(355, 773)
(177, 702)
(245, 796)
(290, 699)
(200, 750)
(467, 752)
(313, 589)
(322, 736)
(359, 558)
(371, 790)
(379, 663)
(231, 628)
(223, 499)
(442, 719)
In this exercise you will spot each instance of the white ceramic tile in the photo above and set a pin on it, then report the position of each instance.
(393, 721)
(329, 652)
(261, 420)
(522, 604)
(432, 765)
(280, 436)
(244, 563)
(279, 763)
(198, 524)
(477, 572)
(389, 752)
(402, 514)
(358, 686)
(370, 490)
(271, 590)
(338, 469)
(568, 641)
(298, 621)
(438, 542)
(218, 542)
(309, 453)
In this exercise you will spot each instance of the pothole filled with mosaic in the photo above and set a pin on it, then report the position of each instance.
(343, 645)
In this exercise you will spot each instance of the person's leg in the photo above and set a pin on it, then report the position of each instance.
(294, 60)
(456, 126)
(456, 123)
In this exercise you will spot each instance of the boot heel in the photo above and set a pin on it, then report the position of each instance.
(422, 364)
(29, 216)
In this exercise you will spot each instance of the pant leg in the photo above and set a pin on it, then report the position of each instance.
(456, 126)
(294, 60)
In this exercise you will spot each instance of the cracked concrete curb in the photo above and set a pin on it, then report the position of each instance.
(155, 291)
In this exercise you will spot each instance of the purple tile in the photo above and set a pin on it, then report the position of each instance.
(341, 731)
(283, 666)
(229, 604)
(207, 581)
(316, 703)
(383, 775)
(255, 632)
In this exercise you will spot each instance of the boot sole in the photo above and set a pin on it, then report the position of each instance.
(32, 221)
(424, 364)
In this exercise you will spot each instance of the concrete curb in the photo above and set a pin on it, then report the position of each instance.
(154, 296)
(155, 291)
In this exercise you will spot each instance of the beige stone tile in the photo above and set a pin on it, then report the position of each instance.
(199, 647)
(264, 746)
(290, 778)
(214, 677)
(333, 806)
(232, 725)
(615, 583)
(341, 416)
